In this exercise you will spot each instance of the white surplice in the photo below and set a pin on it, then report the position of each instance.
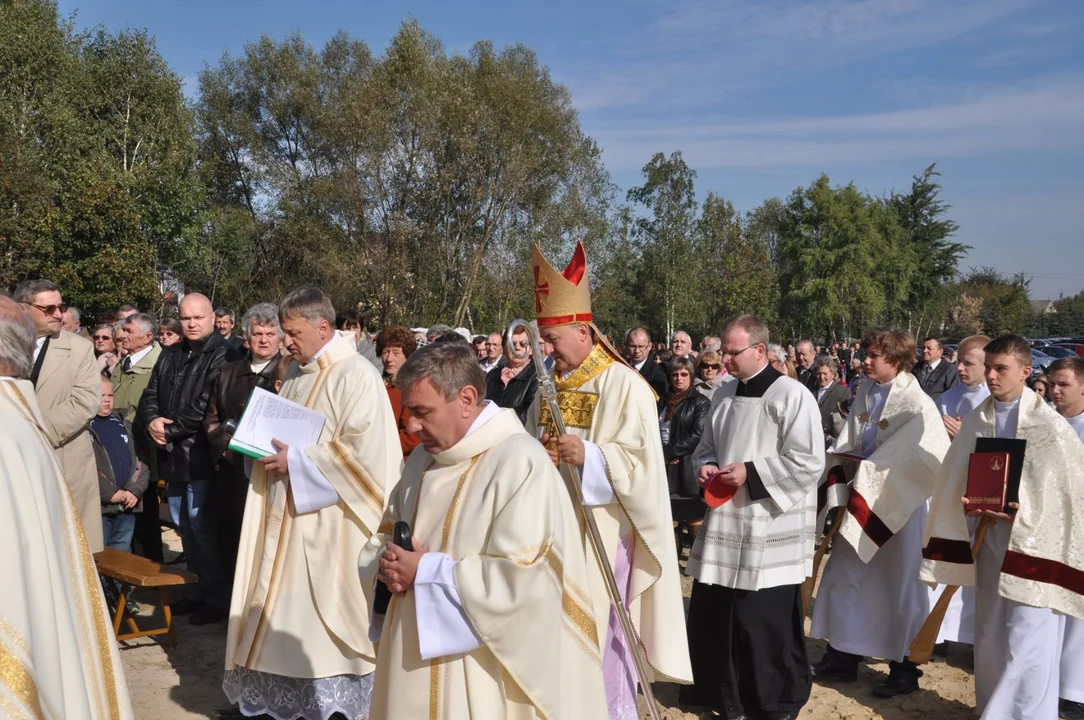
(58, 655)
(1072, 650)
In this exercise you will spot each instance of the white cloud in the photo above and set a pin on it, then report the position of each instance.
(1042, 115)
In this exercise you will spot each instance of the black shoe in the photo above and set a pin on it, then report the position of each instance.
(941, 650)
(207, 615)
(777, 716)
(836, 667)
(185, 606)
(902, 680)
(1070, 710)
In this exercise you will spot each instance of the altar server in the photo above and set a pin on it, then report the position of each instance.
(871, 602)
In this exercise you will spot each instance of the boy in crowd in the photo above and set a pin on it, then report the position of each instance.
(122, 478)
(1023, 573)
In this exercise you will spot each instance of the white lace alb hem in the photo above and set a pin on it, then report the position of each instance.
(285, 698)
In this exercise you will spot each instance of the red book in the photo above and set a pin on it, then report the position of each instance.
(987, 481)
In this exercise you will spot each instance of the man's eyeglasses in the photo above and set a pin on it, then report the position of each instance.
(736, 353)
(51, 309)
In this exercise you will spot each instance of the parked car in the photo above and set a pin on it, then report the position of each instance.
(1078, 348)
(1039, 362)
(1055, 351)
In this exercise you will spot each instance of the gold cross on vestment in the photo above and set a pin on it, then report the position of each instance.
(540, 289)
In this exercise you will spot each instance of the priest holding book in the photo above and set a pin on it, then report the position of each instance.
(1024, 569)
(298, 641)
(870, 602)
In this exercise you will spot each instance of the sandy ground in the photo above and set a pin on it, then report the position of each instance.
(182, 683)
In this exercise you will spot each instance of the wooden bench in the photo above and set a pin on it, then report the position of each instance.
(136, 573)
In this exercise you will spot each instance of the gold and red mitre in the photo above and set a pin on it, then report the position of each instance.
(561, 298)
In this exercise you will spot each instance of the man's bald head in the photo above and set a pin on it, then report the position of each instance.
(18, 335)
(197, 317)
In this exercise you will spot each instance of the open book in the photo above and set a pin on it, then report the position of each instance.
(269, 417)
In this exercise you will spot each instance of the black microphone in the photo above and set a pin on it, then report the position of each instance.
(401, 537)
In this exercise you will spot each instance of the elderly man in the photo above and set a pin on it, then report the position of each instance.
(806, 354)
(681, 345)
(224, 324)
(59, 655)
(517, 382)
(299, 619)
(233, 387)
(172, 410)
(711, 342)
(494, 350)
(69, 391)
(491, 521)
(766, 448)
(639, 356)
(70, 320)
(612, 425)
(130, 378)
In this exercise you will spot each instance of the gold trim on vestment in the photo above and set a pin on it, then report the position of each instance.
(592, 366)
(17, 679)
(373, 498)
(264, 605)
(577, 410)
(104, 635)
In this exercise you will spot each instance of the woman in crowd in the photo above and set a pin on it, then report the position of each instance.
(778, 359)
(394, 344)
(169, 332)
(682, 422)
(105, 347)
(1041, 385)
(709, 373)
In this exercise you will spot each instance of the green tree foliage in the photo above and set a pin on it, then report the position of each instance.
(97, 158)
(844, 259)
(414, 182)
(922, 216)
(1005, 306)
(666, 243)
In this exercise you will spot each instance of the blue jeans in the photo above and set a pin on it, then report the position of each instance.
(199, 541)
(118, 530)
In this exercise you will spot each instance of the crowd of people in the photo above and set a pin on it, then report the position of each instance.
(739, 449)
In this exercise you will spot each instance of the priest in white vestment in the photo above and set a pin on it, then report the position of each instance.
(491, 616)
(612, 421)
(871, 602)
(1067, 390)
(954, 404)
(58, 655)
(1026, 569)
(753, 552)
(298, 641)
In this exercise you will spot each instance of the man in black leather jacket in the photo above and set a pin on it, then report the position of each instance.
(172, 410)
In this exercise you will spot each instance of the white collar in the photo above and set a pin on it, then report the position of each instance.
(934, 364)
(1005, 405)
(640, 364)
(485, 416)
(322, 350)
(9, 378)
(136, 357)
(745, 380)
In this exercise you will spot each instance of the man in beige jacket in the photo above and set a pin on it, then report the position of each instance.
(68, 386)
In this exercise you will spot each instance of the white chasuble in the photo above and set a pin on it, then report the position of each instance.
(299, 609)
(609, 404)
(58, 655)
(1072, 652)
(497, 509)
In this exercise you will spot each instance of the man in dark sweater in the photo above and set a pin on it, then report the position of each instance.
(122, 478)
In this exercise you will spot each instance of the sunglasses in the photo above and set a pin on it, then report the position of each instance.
(51, 309)
(712, 366)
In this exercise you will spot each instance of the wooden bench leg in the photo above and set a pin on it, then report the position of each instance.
(168, 614)
(122, 605)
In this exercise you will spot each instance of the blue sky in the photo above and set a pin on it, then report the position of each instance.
(762, 96)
